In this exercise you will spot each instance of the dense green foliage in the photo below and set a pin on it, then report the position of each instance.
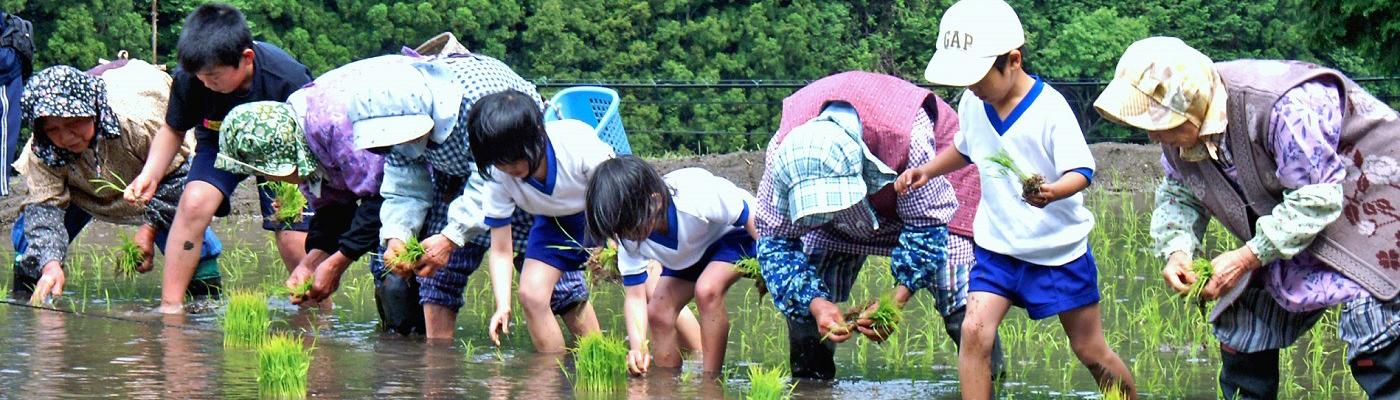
(552, 40)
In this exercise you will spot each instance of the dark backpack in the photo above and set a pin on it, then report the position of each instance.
(19, 35)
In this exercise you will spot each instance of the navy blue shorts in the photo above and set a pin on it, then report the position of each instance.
(1044, 291)
(729, 248)
(202, 169)
(559, 242)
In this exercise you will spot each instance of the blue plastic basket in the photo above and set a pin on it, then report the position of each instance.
(595, 106)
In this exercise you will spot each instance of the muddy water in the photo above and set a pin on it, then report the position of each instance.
(100, 340)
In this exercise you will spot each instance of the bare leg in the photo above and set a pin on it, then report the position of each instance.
(1085, 330)
(687, 327)
(670, 296)
(537, 281)
(441, 321)
(581, 320)
(291, 245)
(197, 206)
(714, 317)
(979, 331)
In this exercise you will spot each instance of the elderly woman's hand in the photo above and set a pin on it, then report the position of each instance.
(1178, 273)
(1229, 267)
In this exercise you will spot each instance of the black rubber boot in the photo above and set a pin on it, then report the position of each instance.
(952, 324)
(23, 284)
(1249, 375)
(809, 356)
(397, 300)
(1378, 372)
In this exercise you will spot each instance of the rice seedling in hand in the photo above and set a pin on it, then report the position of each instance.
(289, 200)
(300, 290)
(602, 264)
(406, 259)
(282, 365)
(600, 363)
(1030, 183)
(768, 383)
(748, 267)
(246, 319)
(99, 184)
(128, 256)
(887, 315)
(1203, 270)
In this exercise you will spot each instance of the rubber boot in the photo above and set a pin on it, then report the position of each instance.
(397, 301)
(1378, 372)
(1249, 375)
(809, 356)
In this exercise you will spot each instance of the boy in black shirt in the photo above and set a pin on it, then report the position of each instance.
(220, 67)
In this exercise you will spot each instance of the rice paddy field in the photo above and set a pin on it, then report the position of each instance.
(101, 340)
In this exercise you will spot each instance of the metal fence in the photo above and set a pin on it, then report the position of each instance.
(686, 97)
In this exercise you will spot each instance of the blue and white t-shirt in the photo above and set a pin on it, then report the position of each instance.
(704, 208)
(573, 152)
(1042, 135)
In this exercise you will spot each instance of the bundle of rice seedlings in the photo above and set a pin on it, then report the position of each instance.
(748, 267)
(1030, 183)
(128, 256)
(282, 365)
(289, 199)
(600, 363)
(602, 264)
(246, 319)
(769, 383)
(303, 288)
(1203, 270)
(887, 315)
(406, 259)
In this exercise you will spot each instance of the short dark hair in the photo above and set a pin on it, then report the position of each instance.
(506, 127)
(1000, 63)
(214, 35)
(619, 199)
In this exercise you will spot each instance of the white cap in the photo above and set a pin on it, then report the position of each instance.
(971, 35)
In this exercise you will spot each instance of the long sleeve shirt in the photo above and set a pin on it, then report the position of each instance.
(1305, 127)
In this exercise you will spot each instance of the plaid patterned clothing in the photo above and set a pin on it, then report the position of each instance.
(857, 229)
(830, 274)
(407, 167)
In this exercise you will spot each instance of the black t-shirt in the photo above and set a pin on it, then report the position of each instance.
(275, 76)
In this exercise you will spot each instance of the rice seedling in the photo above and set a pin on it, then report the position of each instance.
(282, 365)
(602, 264)
(289, 200)
(246, 319)
(748, 267)
(128, 256)
(600, 363)
(1203, 270)
(887, 315)
(99, 184)
(406, 259)
(1030, 183)
(300, 290)
(769, 383)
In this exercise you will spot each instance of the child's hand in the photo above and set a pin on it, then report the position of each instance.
(638, 362)
(912, 178)
(437, 249)
(830, 323)
(1048, 193)
(500, 325)
(1178, 273)
(141, 189)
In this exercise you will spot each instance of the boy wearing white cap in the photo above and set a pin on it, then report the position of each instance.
(1032, 245)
